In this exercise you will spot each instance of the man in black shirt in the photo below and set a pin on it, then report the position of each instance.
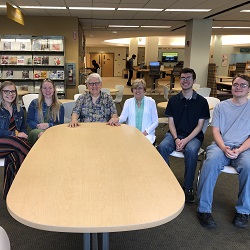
(186, 112)
(130, 67)
(96, 66)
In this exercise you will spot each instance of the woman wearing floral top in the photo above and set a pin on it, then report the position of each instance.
(95, 105)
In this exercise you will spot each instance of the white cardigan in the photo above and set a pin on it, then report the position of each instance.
(150, 116)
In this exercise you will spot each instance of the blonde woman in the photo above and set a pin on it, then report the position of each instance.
(45, 111)
(13, 136)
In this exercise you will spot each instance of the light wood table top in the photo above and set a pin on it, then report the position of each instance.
(65, 100)
(94, 178)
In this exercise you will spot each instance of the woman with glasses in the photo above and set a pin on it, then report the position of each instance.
(45, 111)
(95, 105)
(140, 111)
(13, 137)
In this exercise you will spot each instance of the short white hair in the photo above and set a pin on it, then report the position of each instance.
(94, 75)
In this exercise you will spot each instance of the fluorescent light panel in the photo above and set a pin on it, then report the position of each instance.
(245, 11)
(90, 8)
(231, 27)
(139, 9)
(157, 27)
(189, 10)
(43, 7)
(123, 26)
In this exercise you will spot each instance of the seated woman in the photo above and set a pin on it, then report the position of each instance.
(13, 136)
(45, 111)
(95, 105)
(140, 111)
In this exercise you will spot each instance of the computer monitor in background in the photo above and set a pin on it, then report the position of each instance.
(154, 64)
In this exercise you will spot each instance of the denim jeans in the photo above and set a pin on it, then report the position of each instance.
(167, 146)
(215, 162)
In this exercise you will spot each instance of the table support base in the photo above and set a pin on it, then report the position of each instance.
(87, 243)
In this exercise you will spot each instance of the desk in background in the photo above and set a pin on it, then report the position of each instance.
(94, 179)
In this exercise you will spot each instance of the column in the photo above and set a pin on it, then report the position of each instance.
(216, 53)
(133, 49)
(151, 49)
(197, 48)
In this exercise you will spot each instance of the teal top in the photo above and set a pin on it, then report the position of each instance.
(139, 114)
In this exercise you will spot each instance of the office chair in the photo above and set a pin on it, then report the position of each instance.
(164, 120)
(68, 107)
(212, 101)
(4, 240)
(27, 99)
(200, 152)
(119, 95)
(76, 96)
(82, 89)
(205, 92)
(2, 160)
(154, 72)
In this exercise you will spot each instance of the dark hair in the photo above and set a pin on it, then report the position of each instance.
(189, 70)
(242, 76)
(93, 61)
(133, 56)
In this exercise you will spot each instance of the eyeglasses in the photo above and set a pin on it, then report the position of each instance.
(139, 88)
(189, 78)
(94, 83)
(242, 85)
(8, 92)
(47, 80)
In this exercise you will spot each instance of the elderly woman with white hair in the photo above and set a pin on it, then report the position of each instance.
(95, 105)
(139, 111)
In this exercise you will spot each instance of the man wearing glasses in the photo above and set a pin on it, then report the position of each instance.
(186, 113)
(231, 146)
(95, 105)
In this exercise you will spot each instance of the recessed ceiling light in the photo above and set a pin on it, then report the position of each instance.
(114, 32)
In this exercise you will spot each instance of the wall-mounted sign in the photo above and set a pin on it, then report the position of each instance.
(244, 49)
(14, 14)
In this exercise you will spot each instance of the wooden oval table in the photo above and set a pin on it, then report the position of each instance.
(94, 179)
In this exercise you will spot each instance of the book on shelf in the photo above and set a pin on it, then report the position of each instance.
(25, 74)
(53, 74)
(37, 74)
(9, 74)
(45, 44)
(56, 45)
(44, 74)
(60, 88)
(7, 45)
(56, 60)
(4, 59)
(23, 44)
(13, 60)
(45, 60)
(37, 60)
(24, 60)
(36, 44)
(60, 74)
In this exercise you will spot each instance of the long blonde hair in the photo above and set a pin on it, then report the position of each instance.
(15, 102)
(55, 106)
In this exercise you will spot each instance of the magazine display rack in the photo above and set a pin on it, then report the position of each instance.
(27, 60)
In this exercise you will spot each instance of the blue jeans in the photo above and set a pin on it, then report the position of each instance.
(167, 146)
(215, 162)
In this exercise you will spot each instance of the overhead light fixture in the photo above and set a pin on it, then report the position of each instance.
(43, 7)
(157, 27)
(2, 6)
(245, 11)
(231, 27)
(139, 9)
(90, 8)
(123, 26)
(189, 10)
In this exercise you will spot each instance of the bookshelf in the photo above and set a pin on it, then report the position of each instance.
(27, 60)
